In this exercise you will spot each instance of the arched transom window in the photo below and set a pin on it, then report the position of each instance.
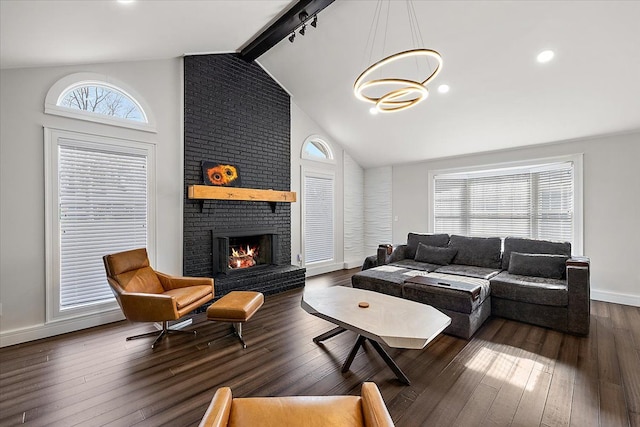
(315, 148)
(99, 98)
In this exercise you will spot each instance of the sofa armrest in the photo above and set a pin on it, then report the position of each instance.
(399, 253)
(383, 253)
(373, 408)
(217, 414)
(579, 295)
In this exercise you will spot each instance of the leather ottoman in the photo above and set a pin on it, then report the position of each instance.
(236, 307)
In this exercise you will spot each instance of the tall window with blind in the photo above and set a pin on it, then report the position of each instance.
(318, 217)
(533, 201)
(100, 204)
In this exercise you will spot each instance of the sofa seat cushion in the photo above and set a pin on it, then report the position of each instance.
(529, 289)
(468, 270)
(442, 297)
(386, 279)
(415, 265)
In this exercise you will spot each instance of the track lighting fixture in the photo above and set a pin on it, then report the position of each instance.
(304, 18)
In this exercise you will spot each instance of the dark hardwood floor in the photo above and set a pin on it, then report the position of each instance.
(510, 373)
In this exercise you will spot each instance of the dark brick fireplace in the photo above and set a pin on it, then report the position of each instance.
(234, 113)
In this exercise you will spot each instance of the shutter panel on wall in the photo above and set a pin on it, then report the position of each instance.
(103, 209)
(534, 202)
(318, 218)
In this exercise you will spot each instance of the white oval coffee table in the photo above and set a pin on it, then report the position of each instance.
(397, 322)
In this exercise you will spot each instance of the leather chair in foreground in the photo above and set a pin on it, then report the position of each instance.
(146, 295)
(366, 410)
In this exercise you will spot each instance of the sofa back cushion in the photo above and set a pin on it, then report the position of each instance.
(413, 239)
(477, 251)
(530, 246)
(538, 265)
(435, 254)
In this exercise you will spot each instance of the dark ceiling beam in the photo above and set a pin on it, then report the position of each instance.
(284, 26)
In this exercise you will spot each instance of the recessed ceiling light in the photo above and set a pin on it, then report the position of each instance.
(125, 1)
(443, 88)
(545, 56)
(373, 110)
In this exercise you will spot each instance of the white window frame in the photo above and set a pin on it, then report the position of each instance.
(577, 246)
(318, 173)
(75, 80)
(52, 139)
(320, 140)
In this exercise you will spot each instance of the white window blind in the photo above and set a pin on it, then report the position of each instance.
(318, 218)
(102, 199)
(533, 202)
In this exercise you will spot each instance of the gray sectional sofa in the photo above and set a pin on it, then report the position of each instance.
(471, 278)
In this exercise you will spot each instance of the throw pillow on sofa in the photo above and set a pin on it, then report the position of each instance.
(434, 254)
(538, 265)
(413, 239)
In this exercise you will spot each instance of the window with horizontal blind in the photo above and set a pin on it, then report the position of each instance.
(318, 217)
(539, 201)
(99, 204)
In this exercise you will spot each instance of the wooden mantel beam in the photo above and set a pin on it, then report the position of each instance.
(206, 192)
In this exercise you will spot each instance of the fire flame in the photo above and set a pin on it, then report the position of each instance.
(241, 258)
(242, 252)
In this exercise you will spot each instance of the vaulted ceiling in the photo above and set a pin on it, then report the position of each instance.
(499, 97)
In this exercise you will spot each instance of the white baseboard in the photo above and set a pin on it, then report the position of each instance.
(352, 264)
(17, 336)
(615, 297)
(314, 271)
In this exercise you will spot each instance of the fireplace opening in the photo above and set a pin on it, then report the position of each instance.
(246, 252)
(233, 253)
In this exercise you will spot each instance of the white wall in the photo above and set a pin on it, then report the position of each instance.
(302, 126)
(22, 246)
(378, 199)
(611, 205)
(354, 251)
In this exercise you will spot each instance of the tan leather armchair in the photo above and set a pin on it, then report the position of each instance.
(298, 411)
(146, 295)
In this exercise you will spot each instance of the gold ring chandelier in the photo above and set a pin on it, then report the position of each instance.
(396, 100)
(403, 93)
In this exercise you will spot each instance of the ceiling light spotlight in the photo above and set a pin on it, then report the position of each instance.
(545, 56)
(314, 23)
(443, 88)
(303, 29)
(292, 37)
(373, 111)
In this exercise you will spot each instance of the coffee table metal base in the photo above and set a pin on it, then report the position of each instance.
(359, 343)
